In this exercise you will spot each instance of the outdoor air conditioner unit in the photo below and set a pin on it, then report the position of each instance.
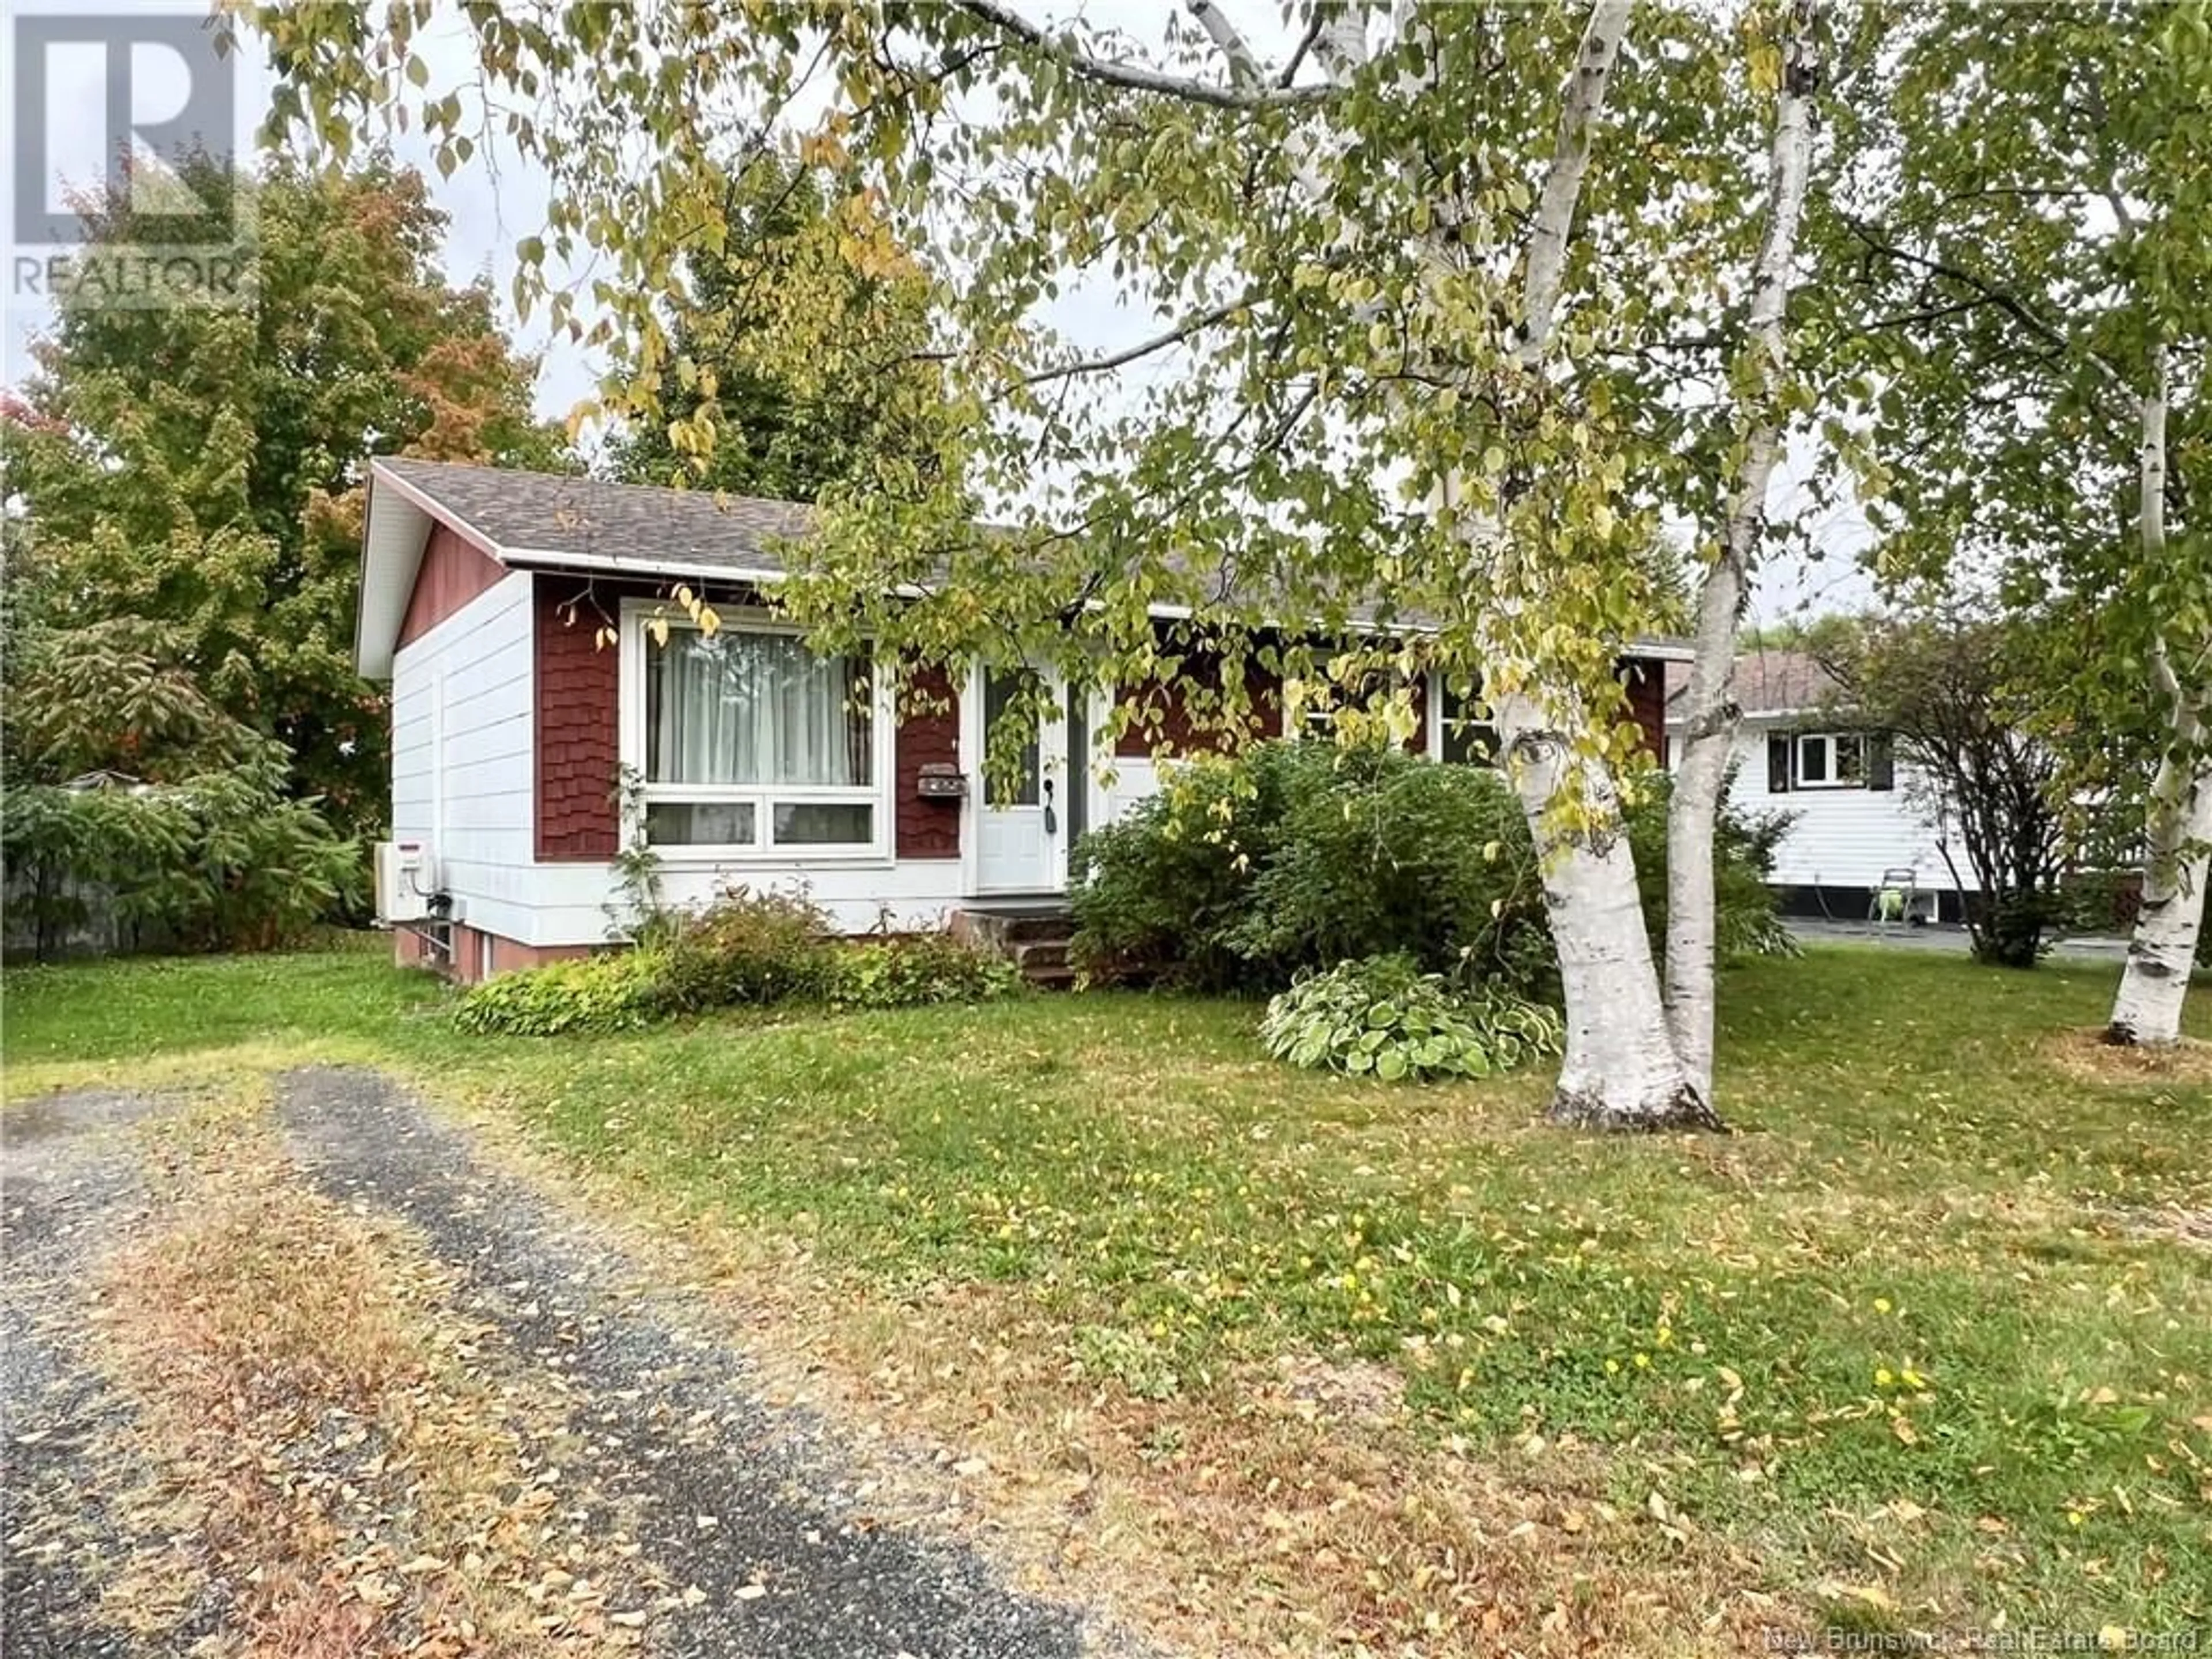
(403, 886)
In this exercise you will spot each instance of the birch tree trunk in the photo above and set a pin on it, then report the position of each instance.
(2162, 952)
(1621, 1070)
(1711, 712)
(2178, 827)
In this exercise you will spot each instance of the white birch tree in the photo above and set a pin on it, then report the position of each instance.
(2023, 245)
(2177, 815)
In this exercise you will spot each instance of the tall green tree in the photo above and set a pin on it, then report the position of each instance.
(2019, 329)
(1399, 299)
(1964, 692)
(790, 369)
(202, 468)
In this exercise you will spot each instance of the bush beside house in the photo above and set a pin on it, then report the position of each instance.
(1243, 874)
(748, 950)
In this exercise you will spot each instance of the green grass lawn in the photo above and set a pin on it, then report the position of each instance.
(1929, 1318)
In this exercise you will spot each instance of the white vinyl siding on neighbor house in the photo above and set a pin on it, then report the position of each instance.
(463, 779)
(1841, 837)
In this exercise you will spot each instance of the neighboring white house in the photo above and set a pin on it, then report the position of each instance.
(1859, 813)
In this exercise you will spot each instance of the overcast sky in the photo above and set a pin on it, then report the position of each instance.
(491, 206)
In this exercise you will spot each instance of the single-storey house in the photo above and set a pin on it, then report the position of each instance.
(1861, 814)
(532, 711)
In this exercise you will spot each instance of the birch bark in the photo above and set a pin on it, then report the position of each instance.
(1711, 715)
(2178, 824)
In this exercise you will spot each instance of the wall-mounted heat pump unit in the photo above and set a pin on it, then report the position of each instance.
(402, 881)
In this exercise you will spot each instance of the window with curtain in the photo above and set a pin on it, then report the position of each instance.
(752, 740)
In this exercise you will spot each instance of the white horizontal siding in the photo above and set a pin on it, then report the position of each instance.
(572, 901)
(463, 776)
(1843, 838)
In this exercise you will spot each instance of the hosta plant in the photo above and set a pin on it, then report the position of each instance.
(1382, 1017)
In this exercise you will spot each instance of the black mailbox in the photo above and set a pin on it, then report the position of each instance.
(941, 781)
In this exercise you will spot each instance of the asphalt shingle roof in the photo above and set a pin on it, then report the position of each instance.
(572, 520)
(1772, 683)
(582, 518)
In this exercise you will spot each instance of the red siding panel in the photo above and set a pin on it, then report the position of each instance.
(926, 829)
(1160, 714)
(1646, 680)
(578, 686)
(454, 571)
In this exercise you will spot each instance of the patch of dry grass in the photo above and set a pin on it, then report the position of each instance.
(323, 1447)
(1277, 1511)
(2085, 1054)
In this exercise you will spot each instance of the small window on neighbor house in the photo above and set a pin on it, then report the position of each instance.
(1829, 760)
(1832, 760)
(1812, 763)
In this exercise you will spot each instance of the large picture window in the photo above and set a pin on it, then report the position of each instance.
(746, 740)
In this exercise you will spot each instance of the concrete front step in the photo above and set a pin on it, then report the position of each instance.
(1034, 937)
(1039, 929)
(1034, 956)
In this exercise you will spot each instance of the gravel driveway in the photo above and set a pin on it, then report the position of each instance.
(747, 1503)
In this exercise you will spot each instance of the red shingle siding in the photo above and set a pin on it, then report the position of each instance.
(1646, 680)
(454, 571)
(579, 685)
(1161, 715)
(926, 828)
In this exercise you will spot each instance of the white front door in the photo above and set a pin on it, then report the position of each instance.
(1022, 830)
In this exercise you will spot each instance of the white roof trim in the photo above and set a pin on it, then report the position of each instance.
(437, 509)
(617, 563)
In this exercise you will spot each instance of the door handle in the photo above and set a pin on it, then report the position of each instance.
(1051, 818)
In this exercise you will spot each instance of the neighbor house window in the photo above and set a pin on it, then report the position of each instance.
(748, 741)
(1829, 760)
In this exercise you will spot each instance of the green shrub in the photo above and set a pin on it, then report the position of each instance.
(1382, 853)
(214, 861)
(1382, 1017)
(620, 991)
(1745, 921)
(750, 949)
(747, 948)
(1157, 896)
(907, 970)
(1241, 874)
